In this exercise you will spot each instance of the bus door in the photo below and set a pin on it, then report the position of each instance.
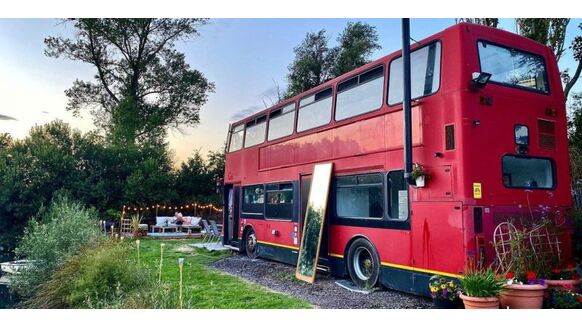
(231, 215)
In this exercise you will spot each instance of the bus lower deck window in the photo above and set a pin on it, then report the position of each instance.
(360, 196)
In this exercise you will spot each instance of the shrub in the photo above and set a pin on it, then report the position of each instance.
(61, 231)
(101, 275)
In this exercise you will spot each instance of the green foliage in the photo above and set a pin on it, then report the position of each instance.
(142, 85)
(48, 241)
(481, 283)
(316, 62)
(100, 275)
(491, 22)
(547, 31)
(312, 64)
(563, 299)
(55, 159)
(106, 275)
(356, 44)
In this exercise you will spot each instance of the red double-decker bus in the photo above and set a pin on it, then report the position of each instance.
(488, 126)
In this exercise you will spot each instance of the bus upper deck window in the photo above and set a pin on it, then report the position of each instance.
(512, 67)
(236, 138)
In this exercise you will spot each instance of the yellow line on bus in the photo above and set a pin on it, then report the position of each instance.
(406, 267)
(278, 245)
(393, 265)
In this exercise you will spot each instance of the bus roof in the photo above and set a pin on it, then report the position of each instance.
(386, 58)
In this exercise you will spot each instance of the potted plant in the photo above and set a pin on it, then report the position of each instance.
(523, 292)
(135, 222)
(444, 293)
(419, 175)
(564, 279)
(480, 289)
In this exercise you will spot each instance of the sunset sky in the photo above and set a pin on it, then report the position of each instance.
(241, 56)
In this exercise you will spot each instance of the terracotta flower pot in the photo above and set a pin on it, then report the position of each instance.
(480, 302)
(570, 285)
(517, 296)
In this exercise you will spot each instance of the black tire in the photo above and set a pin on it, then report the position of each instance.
(251, 248)
(363, 263)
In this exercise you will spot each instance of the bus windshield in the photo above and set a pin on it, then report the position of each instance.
(513, 67)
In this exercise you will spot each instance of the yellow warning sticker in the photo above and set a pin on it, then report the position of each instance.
(477, 190)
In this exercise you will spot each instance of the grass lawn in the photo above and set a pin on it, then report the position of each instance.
(205, 287)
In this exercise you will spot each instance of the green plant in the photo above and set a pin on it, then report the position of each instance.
(443, 288)
(528, 258)
(563, 299)
(417, 171)
(135, 222)
(61, 232)
(102, 274)
(481, 283)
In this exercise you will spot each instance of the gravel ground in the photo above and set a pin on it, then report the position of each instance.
(324, 293)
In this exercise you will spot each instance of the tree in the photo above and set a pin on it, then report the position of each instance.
(312, 64)
(143, 85)
(552, 33)
(491, 22)
(5, 140)
(315, 62)
(548, 31)
(356, 44)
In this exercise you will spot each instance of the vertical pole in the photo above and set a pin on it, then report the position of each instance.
(406, 105)
(181, 265)
(161, 262)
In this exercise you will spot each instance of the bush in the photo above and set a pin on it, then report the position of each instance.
(61, 232)
(101, 275)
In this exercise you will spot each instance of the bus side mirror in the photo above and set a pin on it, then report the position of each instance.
(479, 80)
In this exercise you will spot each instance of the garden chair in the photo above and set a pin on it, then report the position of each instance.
(207, 231)
(215, 231)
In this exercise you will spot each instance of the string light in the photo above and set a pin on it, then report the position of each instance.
(195, 206)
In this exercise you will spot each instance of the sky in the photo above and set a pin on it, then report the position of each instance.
(243, 57)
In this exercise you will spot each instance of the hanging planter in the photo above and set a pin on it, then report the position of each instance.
(419, 175)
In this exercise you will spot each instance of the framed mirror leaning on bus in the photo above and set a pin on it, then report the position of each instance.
(313, 223)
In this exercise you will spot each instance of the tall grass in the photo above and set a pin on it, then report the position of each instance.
(49, 240)
(101, 275)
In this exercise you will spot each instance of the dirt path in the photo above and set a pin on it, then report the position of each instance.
(324, 293)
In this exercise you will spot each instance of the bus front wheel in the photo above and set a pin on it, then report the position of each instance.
(363, 263)
(251, 244)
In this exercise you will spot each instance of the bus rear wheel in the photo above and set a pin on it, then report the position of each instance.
(251, 244)
(363, 263)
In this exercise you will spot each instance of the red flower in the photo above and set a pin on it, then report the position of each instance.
(570, 266)
(558, 271)
(530, 275)
(509, 275)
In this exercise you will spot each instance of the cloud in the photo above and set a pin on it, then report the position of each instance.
(246, 112)
(7, 118)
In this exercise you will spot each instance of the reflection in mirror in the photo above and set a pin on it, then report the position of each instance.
(313, 223)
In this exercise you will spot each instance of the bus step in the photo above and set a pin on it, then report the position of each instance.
(232, 248)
